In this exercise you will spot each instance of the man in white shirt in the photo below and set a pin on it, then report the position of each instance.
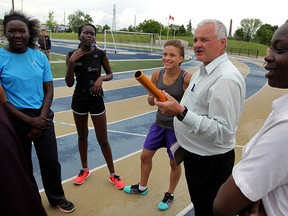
(207, 116)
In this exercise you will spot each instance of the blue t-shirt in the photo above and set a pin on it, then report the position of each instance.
(22, 76)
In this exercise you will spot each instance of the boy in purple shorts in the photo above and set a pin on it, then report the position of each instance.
(173, 80)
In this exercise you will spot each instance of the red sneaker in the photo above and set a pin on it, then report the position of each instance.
(83, 174)
(119, 184)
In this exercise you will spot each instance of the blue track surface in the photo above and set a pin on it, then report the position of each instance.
(63, 47)
(125, 136)
(68, 150)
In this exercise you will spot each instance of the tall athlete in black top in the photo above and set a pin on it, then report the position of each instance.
(85, 63)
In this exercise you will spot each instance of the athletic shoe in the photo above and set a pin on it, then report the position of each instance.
(83, 174)
(115, 179)
(166, 202)
(133, 189)
(66, 206)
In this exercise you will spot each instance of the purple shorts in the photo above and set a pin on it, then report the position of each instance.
(159, 137)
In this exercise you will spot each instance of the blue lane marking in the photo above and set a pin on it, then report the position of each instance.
(63, 47)
(64, 103)
(129, 74)
(255, 80)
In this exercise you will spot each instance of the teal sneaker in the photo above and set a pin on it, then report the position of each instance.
(166, 202)
(133, 189)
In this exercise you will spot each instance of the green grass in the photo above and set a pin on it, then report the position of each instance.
(246, 45)
(57, 57)
(59, 69)
(230, 43)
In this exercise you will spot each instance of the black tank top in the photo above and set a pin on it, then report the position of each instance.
(87, 69)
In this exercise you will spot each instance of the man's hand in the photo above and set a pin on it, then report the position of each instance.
(171, 107)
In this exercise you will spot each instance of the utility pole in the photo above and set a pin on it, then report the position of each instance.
(12, 5)
(64, 22)
(114, 18)
(230, 29)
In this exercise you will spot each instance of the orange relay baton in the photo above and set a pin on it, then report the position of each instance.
(146, 82)
(3, 98)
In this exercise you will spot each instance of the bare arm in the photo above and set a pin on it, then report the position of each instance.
(47, 101)
(40, 121)
(3, 98)
(69, 78)
(230, 200)
(48, 97)
(97, 87)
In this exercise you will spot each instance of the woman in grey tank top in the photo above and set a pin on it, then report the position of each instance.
(173, 80)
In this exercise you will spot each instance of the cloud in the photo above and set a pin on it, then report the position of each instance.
(130, 12)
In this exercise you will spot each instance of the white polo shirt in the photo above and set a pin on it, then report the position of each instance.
(214, 98)
(263, 170)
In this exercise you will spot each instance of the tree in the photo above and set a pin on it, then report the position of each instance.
(182, 30)
(123, 29)
(51, 23)
(105, 27)
(99, 29)
(149, 26)
(77, 19)
(265, 33)
(189, 28)
(249, 28)
(239, 34)
(131, 28)
(1, 29)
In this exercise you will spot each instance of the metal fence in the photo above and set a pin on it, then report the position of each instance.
(243, 52)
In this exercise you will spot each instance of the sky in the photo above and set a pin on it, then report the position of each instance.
(133, 12)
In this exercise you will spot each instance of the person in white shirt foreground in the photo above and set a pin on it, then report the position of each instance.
(259, 182)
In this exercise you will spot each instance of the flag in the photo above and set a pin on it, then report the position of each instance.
(171, 18)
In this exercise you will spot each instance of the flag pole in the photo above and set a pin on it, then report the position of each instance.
(168, 27)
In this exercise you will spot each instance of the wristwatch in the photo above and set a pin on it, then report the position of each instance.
(182, 115)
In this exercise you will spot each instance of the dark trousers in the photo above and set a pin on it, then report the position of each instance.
(46, 150)
(204, 176)
(17, 192)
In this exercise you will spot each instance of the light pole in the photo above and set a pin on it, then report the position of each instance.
(12, 5)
